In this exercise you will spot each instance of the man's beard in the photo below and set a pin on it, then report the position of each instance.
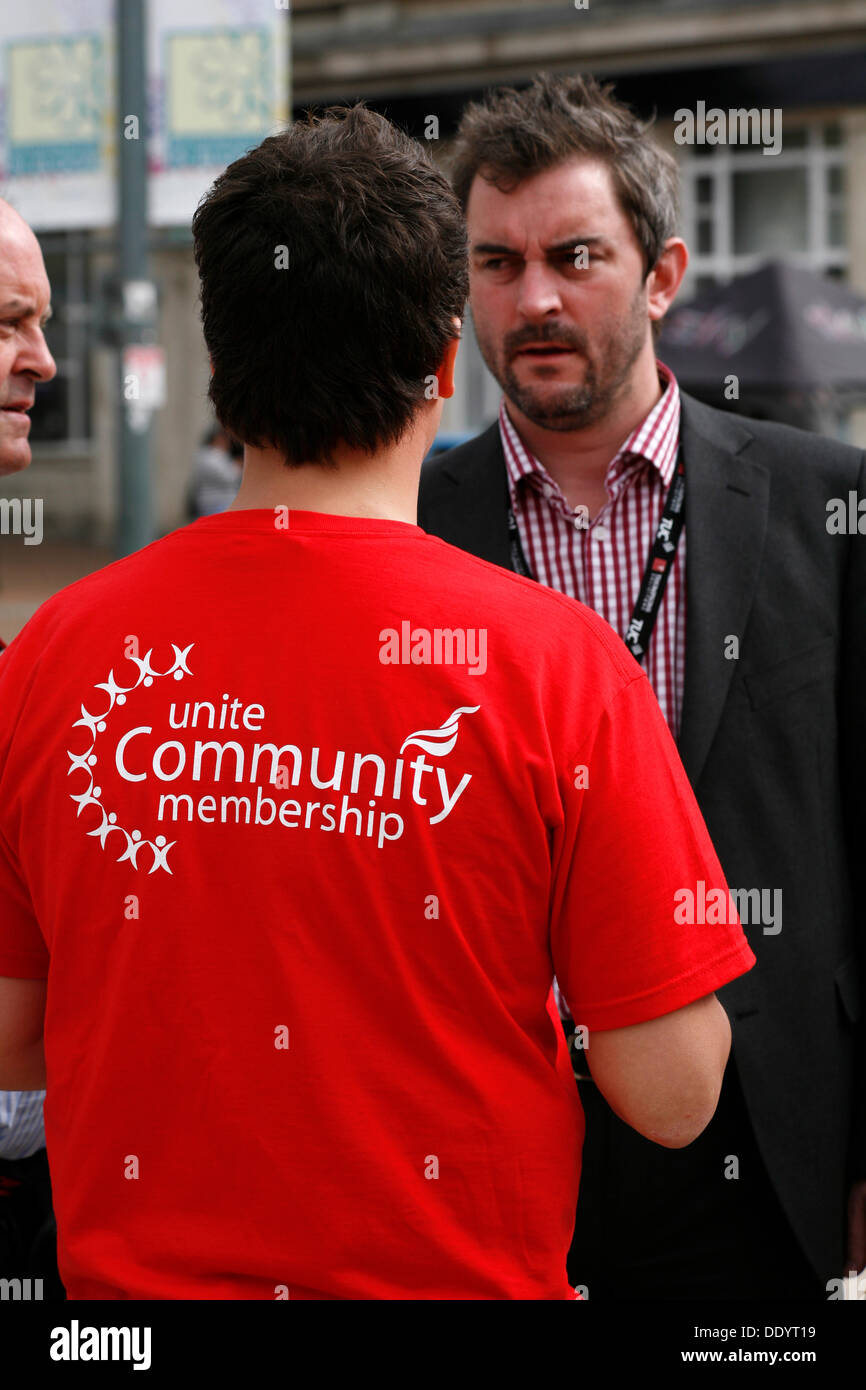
(560, 407)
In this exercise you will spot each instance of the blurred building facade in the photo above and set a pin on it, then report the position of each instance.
(425, 58)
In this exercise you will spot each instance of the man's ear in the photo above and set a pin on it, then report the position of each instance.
(666, 277)
(445, 374)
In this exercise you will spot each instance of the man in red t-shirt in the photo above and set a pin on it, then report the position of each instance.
(270, 772)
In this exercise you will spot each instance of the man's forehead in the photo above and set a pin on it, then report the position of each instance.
(547, 205)
(22, 271)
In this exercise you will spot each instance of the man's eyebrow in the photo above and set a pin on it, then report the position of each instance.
(489, 248)
(578, 241)
(492, 248)
(23, 306)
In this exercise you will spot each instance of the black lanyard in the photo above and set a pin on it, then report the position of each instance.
(658, 566)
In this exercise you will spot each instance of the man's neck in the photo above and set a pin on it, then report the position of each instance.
(384, 487)
(578, 460)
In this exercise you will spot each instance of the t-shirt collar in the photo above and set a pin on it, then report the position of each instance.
(294, 521)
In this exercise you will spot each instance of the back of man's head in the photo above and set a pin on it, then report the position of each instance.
(332, 261)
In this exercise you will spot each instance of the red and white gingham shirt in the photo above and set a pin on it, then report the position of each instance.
(602, 564)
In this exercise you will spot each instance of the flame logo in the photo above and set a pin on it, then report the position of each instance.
(440, 741)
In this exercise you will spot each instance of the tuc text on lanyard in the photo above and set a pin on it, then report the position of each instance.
(658, 567)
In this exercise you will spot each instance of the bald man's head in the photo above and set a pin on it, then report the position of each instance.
(10, 217)
(25, 305)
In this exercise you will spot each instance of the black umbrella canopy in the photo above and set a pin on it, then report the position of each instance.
(780, 328)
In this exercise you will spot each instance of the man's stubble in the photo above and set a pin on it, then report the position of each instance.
(577, 405)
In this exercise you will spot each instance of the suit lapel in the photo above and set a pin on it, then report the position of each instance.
(726, 520)
(477, 519)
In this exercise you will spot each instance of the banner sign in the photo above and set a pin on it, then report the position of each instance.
(217, 85)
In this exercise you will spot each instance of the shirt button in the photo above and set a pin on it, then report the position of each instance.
(601, 534)
(548, 491)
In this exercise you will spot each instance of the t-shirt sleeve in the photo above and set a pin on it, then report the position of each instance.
(23, 952)
(641, 918)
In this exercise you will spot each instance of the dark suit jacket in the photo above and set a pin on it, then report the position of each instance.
(774, 744)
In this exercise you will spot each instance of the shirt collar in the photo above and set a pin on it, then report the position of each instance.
(655, 441)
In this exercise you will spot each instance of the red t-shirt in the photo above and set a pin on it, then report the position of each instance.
(300, 870)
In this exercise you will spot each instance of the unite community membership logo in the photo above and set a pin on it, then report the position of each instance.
(376, 791)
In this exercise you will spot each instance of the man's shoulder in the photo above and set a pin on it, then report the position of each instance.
(558, 626)
(480, 455)
(478, 465)
(479, 462)
(767, 442)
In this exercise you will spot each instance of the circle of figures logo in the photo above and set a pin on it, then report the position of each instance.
(87, 761)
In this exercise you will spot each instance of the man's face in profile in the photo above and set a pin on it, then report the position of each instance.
(560, 327)
(24, 357)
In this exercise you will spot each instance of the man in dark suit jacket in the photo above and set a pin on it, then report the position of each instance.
(770, 1201)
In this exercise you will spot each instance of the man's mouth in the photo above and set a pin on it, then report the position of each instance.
(545, 350)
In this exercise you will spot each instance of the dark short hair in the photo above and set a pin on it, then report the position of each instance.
(510, 135)
(332, 261)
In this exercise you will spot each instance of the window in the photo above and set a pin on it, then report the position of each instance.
(742, 207)
(771, 211)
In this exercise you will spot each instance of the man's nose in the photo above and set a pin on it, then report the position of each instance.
(539, 292)
(35, 358)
